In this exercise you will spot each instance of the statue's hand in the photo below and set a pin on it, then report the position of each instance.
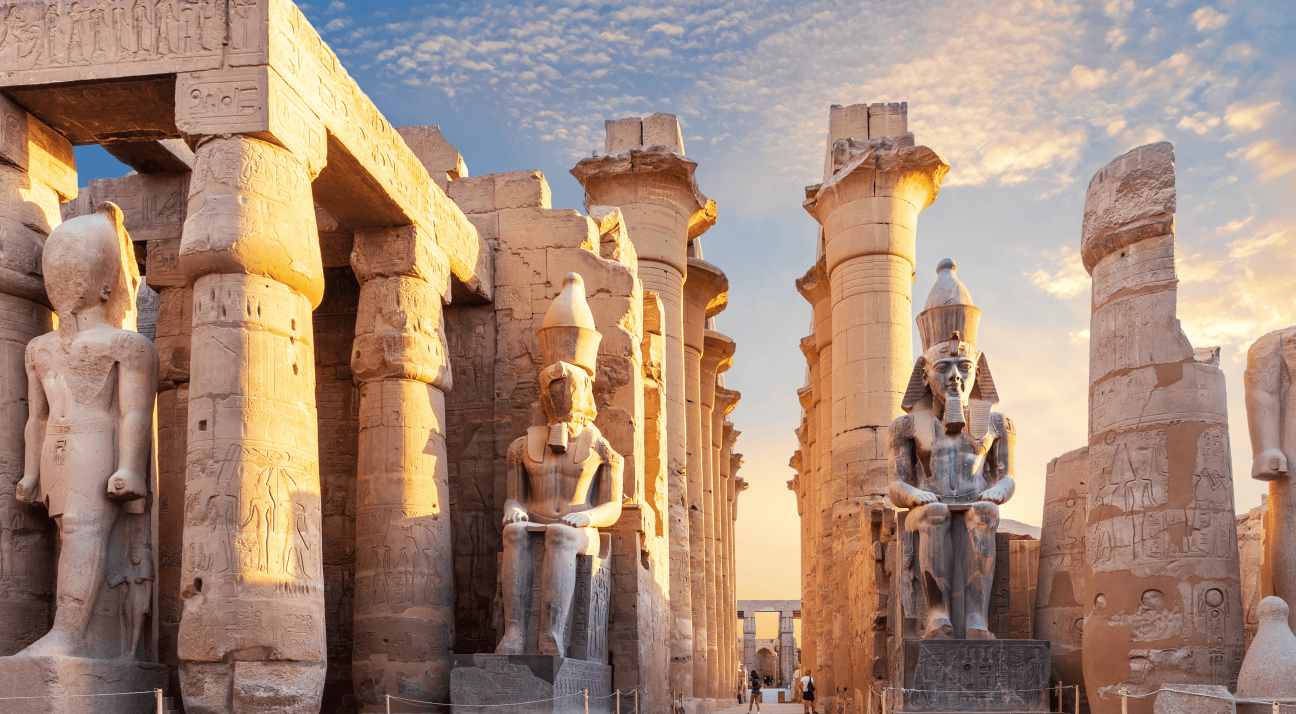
(577, 520)
(26, 488)
(513, 514)
(1269, 465)
(922, 498)
(994, 494)
(126, 485)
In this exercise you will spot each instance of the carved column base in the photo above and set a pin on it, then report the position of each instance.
(234, 687)
(61, 684)
(489, 679)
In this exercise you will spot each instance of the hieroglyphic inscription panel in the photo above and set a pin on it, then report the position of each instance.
(976, 675)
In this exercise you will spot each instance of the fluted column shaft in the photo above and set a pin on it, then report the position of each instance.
(717, 355)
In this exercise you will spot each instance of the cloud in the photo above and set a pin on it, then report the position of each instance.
(1068, 277)
(1241, 117)
(1207, 18)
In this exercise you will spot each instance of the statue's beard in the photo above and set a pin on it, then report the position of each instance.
(558, 437)
(954, 421)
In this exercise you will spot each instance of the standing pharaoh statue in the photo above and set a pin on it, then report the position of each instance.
(92, 384)
(563, 481)
(951, 463)
(1271, 416)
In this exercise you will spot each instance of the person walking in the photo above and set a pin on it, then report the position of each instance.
(755, 691)
(808, 693)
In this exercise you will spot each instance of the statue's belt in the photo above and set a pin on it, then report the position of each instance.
(89, 427)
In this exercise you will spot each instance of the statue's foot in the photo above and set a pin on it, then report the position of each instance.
(939, 629)
(549, 645)
(976, 633)
(511, 645)
(53, 644)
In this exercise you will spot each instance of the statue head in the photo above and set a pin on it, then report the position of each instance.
(952, 373)
(569, 344)
(89, 262)
(567, 394)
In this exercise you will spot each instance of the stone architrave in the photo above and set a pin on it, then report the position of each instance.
(1163, 601)
(655, 189)
(951, 464)
(252, 633)
(1271, 416)
(89, 461)
(1060, 595)
(705, 295)
(404, 584)
(37, 171)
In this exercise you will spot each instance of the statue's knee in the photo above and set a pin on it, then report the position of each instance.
(934, 515)
(561, 537)
(514, 533)
(985, 514)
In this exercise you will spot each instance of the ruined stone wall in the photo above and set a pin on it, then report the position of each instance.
(1257, 582)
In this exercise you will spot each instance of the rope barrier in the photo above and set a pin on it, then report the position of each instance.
(585, 693)
(151, 692)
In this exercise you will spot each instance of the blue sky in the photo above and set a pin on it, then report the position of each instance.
(1026, 100)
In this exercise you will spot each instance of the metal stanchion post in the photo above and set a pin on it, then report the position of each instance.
(1124, 695)
(885, 691)
(160, 710)
(586, 690)
(618, 711)
(637, 700)
(1275, 707)
(388, 698)
(868, 708)
(1059, 695)
(1077, 688)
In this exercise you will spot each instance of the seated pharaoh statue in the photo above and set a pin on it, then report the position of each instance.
(951, 464)
(89, 440)
(563, 483)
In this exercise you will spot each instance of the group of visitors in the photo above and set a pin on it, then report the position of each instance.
(803, 688)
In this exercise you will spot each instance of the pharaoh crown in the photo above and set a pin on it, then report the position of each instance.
(567, 333)
(948, 310)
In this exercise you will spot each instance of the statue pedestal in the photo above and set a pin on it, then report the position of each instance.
(975, 676)
(62, 683)
(510, 679)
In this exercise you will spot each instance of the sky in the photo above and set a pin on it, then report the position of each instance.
(1025, 99)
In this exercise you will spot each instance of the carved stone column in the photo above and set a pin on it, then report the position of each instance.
(816, 400)
(404, 600)
(725, 400)
(1060, 594)
(717, 356)
(646, 175)
(705, 295)
(252, 633)
(868, 208)
(37, 170)
(1161, 537)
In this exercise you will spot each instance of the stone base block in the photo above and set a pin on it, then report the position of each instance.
(60, 685)
(252, 687)
(1198, 699)
(535, 683)
(976, 676)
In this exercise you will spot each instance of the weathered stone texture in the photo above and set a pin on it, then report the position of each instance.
(1163, 598)
(1060, 595)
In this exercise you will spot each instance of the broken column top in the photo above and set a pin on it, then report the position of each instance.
(1129, 200)
(635, 132)
(862, 122)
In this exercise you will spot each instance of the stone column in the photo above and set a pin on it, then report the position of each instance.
(652, 183)
(868, 208)
(705, 294)
(723, 403)
(37, 170)
(252, 633)
(787, 647)
(1060, 594)
(731, 592)
(404, 584)
(1161, 539)
(717, 356)
(816, 400)
(749, 643)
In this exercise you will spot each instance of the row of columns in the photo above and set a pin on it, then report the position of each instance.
(646, 175)
(859, 356)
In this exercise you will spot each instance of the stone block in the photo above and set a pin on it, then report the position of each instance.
(888, 119)
(975, 676)
(521, 189)
(474, 195)
(552, 684)
(438, 156)
(663, 129)
(64, 685)
(624, 133)
(1196, 699)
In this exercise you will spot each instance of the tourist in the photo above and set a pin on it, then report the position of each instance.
(796, 685)
(808, 693)
(755, 691)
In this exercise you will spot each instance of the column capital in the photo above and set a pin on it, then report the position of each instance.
(725, 401)
(730, 434)
(1131, 199)
(814, 286)
(652, 186)
(810, 348)
(717, 353)
(706, 294)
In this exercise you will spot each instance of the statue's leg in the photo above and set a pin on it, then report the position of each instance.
(982, 522)
(935, 560)
(558, 583)
(517, 579)
(84, 528)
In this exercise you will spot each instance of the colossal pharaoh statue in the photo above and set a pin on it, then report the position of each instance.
(1271, 416)
(951, 462)
(89, 435)
(564, 481)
